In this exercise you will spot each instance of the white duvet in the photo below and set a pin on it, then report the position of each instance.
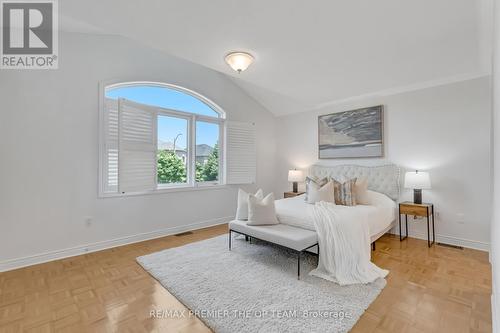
(344, 234)
(298, 213)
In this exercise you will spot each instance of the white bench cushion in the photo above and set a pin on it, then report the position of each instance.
(281, 234)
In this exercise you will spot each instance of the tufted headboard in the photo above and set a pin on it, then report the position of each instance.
(384, 178)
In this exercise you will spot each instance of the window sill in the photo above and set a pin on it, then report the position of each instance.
(166, 190)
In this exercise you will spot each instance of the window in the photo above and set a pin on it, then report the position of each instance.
(172, 150)
(207, 151)
(158, 137)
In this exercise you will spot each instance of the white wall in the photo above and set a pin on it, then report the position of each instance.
(445, 130)
(495, 221)
(49, 185)
(49, 151)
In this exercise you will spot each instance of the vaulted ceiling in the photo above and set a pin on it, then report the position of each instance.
(308, 53)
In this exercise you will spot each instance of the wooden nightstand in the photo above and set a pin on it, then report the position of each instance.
(425, 209)
(292, 194)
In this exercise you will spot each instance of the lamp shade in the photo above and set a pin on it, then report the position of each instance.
(418, 180)
(239, 61)
(295, 176)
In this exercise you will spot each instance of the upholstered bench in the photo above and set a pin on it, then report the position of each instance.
(292, 238)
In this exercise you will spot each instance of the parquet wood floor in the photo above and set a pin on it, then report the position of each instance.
(428, 290)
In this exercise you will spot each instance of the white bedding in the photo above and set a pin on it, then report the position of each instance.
(298, 213)
(341, 230)
(344, 242)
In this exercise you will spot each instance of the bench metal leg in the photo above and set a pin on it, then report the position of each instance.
(299, 253)
(298, 266)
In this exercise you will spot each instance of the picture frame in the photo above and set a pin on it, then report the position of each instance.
(352, 134)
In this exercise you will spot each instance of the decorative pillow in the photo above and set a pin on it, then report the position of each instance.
(344, 192)
(361, 190)
(242, 210)
(321, 193)
(261, 211)
(314, 180)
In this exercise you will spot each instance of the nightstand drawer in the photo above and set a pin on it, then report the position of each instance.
(291, 194)
(414, 210)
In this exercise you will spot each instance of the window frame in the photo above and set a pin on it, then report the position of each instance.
(221, 143)
(191, 119)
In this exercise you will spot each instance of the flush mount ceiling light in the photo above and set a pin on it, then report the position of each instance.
(239, 61)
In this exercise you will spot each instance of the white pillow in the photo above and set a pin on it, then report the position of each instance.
(242, 210)
(379, 200)
(261, 211)
(317, 181)
(321, 193)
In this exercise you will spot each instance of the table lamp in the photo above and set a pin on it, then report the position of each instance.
(418, 181)
(295, 176)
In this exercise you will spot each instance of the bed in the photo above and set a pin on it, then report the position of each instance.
(383, 183)
(298, 213)
(342, 234)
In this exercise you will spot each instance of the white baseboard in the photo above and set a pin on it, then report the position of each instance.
(11, 264)
(468, 243)
(494, 314)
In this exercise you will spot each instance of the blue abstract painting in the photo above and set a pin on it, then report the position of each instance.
(352, 134)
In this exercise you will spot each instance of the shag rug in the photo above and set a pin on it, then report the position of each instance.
(254, 288)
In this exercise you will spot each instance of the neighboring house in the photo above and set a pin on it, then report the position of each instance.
(203, 151)
(179, 151)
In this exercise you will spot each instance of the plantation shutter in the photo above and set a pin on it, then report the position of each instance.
(137, 146)
(241, 153)
(110, 157)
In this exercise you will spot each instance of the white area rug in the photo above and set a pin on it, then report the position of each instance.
(254, 288)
